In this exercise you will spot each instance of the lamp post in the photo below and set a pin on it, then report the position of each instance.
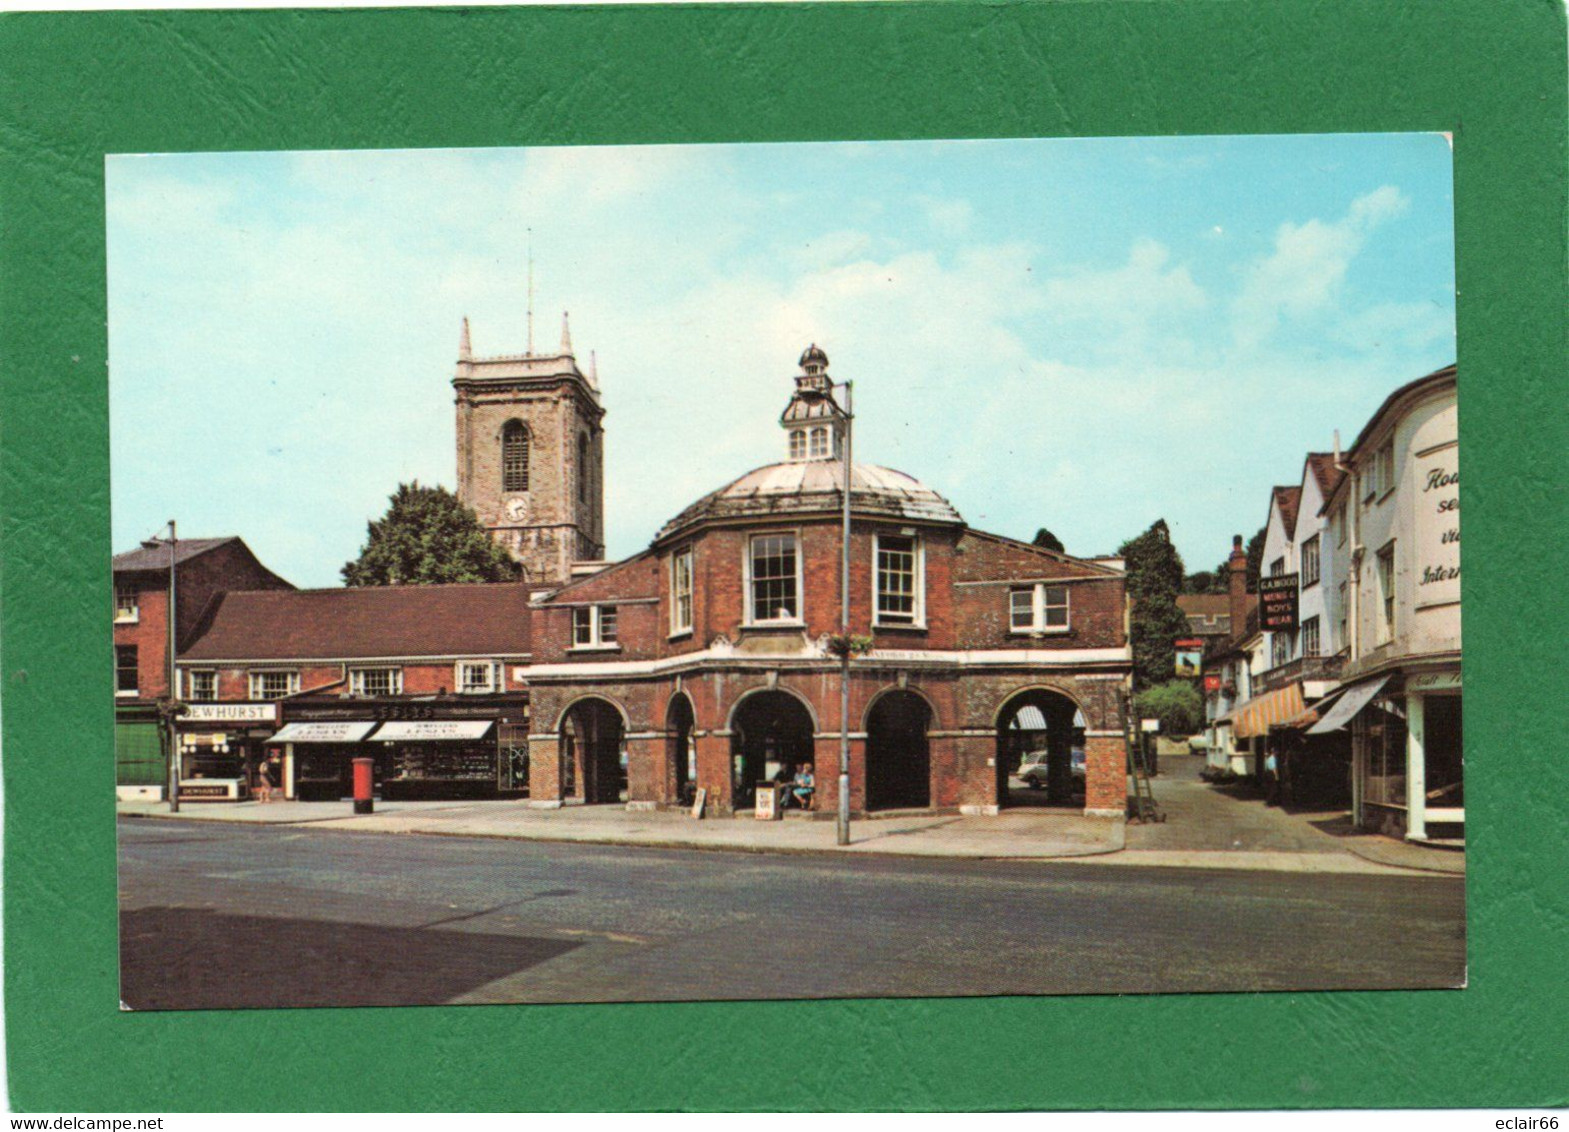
(842, 821)
(171, 748)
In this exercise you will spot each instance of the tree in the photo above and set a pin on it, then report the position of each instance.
(1176, 703)
(1255, 559)
(1049, 541)
(1155, 577)
(427, 537)
(1206, 581)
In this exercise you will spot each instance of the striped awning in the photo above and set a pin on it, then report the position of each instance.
(1255, 716)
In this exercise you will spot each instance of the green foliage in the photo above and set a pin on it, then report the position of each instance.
(1155, 577)
(1206, 581)
(426, 538)
(1176, 703)
(1255, 560)
(1044, 538)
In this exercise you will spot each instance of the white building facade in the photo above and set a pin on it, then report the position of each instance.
(1392, 596)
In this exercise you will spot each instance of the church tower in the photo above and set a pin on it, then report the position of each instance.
(531, 454)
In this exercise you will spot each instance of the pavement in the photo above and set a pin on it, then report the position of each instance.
(1207, 827)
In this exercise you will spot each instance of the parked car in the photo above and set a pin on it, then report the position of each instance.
(1032, 770)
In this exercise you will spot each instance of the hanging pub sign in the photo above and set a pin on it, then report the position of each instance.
(1277, 603)
(1212, 682)
(1190, 656)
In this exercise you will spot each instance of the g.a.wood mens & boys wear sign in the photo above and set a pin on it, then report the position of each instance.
(1277, 602)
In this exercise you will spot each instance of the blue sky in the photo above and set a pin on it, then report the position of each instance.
(1085, 335)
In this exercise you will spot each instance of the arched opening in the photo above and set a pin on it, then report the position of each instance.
(681, 751)
(771, 736)
(582, 467)
(514, 456)
(593, 751)
(898, 757)
(1040, 750)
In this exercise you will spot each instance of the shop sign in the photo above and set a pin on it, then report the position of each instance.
(1438, 527)
(1149, 725)
(1433, 682)
(229, 713)
(433, 729)
(1212, 682)
(1277, 603)
(1189, 657)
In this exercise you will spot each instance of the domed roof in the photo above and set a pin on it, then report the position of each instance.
(813, 353)
(812, 487)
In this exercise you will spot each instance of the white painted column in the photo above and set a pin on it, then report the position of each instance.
(288, 771)
(1416, 771)
(1358, 774)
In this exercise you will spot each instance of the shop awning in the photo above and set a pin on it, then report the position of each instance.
(1351, 701)
(337, 731)
(433, 730)
(1255, 716)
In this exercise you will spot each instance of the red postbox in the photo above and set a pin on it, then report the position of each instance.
(364, 784)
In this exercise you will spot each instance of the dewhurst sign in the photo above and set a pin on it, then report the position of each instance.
(1277, 602)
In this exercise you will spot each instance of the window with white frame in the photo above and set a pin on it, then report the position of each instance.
(1280, 649)
(476, 677)
(376, 681)
(274, 683)
(202, 685)
(798, 444)
(1386, 593)
(127, 606)
(1038, 608)
(819, 448)
(1310, 637)
(899, 588)
(594, 626)
(1386, 468)
(1310, 562)
(1338, 521)
(773, 593)
(1277, 567)
(681, 591)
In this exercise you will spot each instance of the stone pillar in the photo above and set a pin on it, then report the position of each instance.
(544, 771)
(1416, 769)
(1105, 774)
(713, 768)
(646, 775)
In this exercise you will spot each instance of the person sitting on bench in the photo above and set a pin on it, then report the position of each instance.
(802, 787)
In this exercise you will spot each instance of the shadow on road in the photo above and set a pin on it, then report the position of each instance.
(197, 959)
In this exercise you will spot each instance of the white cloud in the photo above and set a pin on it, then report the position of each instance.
(1304, 272)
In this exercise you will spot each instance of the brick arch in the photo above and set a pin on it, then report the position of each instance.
(626, 717)
(804, 700)
(878, 695)
(1073, 696)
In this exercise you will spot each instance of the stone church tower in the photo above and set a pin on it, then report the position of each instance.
(531, 455)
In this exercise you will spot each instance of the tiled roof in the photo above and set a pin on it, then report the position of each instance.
(1322, 465)
(1206, 605)
(1289, 499)
(157, 557)
(364, 622)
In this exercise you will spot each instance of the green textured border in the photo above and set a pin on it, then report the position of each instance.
(76, 86)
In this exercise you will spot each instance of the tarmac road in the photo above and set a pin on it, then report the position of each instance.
(224, 916)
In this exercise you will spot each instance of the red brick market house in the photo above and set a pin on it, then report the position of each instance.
(424, 680)
(705, 662)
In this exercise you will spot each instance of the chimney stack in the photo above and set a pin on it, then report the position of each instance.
(1237, 568)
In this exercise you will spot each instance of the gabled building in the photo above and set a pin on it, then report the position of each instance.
(710, 659)
(1232, 667)
(201, 568)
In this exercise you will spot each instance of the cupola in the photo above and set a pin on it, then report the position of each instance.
(813, 421)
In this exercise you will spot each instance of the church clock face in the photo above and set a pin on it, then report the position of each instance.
(517, 510)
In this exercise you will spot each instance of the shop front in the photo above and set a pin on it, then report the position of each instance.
(436, 748)
(220, 748)
(1408, 776)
